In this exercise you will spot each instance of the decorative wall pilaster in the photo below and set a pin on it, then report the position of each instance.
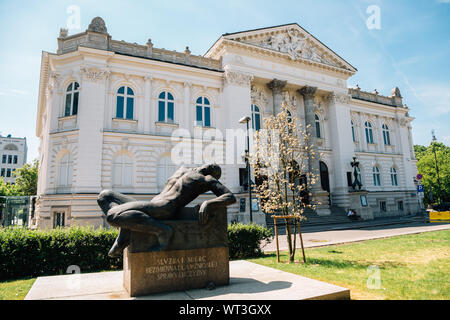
(277, 87)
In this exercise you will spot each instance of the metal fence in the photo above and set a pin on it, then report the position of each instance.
(15, 211)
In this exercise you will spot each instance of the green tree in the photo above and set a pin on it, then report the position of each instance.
(426, 165)
(26, 179)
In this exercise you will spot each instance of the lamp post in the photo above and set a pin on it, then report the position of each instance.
(437, 168)
(246, 120)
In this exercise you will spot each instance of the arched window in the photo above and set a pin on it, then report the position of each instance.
(369, 132)
(165, 169)
(256, 117)
(386, 135)
(125, 103)
(65, 170)
(353, 131)
(165, 107)
(394, 179)
(72, 95)
(123, 171)
(376, 176)
(203, 112)
(317, 123)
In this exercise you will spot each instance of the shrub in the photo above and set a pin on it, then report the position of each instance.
(25, 253)
(244, 240)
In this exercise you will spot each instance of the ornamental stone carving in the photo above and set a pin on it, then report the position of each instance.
(95, 74)
(339, 98)
(277, 86)
(289, 100)
(308, 92)
(237, 78)
(258, 95)
(98, 25)
(297, 46)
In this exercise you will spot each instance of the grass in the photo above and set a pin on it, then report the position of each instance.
(407, 267)
(15, 289)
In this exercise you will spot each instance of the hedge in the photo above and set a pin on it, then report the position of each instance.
(33, 253)
(244, 240)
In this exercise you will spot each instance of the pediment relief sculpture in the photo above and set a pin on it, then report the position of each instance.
(258, 96)
(297, 46)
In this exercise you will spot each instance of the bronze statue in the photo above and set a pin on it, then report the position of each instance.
(186, 184)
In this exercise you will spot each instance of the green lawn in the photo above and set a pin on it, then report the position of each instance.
(408, 267)
(400, 268)
(15, 289)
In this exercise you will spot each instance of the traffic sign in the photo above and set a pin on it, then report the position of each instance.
(420, 188)
(419, 176)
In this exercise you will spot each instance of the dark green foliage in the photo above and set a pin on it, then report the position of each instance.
(25, 253)
(244, 240)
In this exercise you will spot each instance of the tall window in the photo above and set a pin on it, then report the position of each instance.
(386, 136)
(8, 173)
(10, 159)
(4, 158)
(15, 160)
(2, 174)
(317, 123)
(122, 171)
(165, 169)
(369, 132)
(125, 103)
(203, 112)
(353, 131)
(72, 95)
(376, 176)
(165, 107)
(256, 117)
(394, 179)
(65, 170)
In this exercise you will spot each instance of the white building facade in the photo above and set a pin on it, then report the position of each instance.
(112, 114)
(13, 155)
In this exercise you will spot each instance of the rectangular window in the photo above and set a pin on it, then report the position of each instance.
(130, 102)
(199, 117)
(119, 109)
(170, 117)
(4, 158)
(59, 219)
(8, 173)
(3, 172)
(207, 117)
(75, 104)
(10, 159)
(400, 205)
(382, 206)
(15, 160)
(68, 105)
(161, 112)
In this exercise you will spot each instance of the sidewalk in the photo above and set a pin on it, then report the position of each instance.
(325, 238)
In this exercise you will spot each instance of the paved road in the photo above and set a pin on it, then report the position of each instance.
(325, 238)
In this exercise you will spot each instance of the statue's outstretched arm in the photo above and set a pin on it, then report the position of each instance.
(224, 198)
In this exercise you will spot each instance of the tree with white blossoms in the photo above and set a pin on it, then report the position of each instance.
(280, 159)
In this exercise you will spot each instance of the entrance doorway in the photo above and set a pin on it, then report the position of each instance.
(324, 178)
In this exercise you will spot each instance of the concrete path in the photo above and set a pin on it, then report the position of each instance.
(325, 238)
(248, 281)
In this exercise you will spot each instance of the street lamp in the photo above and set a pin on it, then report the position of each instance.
(246, 120)
(437, 168)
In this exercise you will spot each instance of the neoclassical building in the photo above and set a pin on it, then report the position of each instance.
(111, 114)
(13, 155)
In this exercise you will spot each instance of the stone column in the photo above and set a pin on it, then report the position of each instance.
(147, 103)
(319, 196)
(277, 89)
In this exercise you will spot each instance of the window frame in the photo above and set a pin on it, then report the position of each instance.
(394, 177)
(368, 128)
(125, 96)
(166, 101)
(73, 89)
(386, 135)
(376, 174)
(318, 126)
(256, 113)
(204, 107)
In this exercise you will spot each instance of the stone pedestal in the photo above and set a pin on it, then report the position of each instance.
(365, 212)
(196, 256)
(322, 200)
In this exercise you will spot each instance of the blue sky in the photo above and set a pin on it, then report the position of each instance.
(411, 49)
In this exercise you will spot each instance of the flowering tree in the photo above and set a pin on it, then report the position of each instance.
(281, 162)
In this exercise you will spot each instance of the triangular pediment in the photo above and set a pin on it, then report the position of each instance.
(293, 41)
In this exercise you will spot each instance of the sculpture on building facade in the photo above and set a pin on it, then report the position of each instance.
(185, 185)
(356, 182)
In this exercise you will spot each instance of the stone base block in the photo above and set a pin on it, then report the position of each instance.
(356, 203)
(174, 270)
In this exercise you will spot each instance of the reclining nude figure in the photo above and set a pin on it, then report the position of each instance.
(186, 184)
